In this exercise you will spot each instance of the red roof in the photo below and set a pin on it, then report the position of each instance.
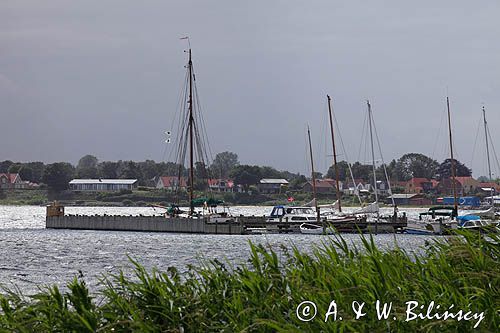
(172, 181)
(461, 180)
(217, 181)
(490, 185)
(11, 177)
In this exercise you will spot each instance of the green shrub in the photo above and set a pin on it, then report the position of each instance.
(263, 295)
(127, 203)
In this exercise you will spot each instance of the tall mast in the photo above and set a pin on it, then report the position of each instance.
(312, 173)
(488, 152)
(455, 205)
(191, 143)
(337, 187)
(373, 152)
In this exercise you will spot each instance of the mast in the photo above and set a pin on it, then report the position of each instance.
(488, 153)
(337, 187)
(312, 174)
(373, 163)
(191, 143)
(455, 205)
(373, 152)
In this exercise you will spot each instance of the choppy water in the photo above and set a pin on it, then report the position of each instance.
(32, 256)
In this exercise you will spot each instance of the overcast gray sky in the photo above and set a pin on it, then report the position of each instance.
(103, 77)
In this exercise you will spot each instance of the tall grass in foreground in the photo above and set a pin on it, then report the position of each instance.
(263, 295)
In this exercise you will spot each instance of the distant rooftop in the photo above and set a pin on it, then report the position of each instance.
(273, 181)
(103, 181)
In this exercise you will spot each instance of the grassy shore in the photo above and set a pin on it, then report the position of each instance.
(263, 295)
(146, 196)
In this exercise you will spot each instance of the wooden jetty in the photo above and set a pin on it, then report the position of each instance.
(56, 219)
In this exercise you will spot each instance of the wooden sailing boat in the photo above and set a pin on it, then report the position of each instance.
(337, 185)
(190, 142)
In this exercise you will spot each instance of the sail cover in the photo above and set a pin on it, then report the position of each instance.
(371, 208)
(484, 213)
(334, 205)
(311, 203)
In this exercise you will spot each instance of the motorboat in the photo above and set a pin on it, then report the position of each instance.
(282, 213)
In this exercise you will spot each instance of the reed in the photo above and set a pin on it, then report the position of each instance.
(262, 296)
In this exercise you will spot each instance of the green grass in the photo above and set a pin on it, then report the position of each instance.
(262, 295)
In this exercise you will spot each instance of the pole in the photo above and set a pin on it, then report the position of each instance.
(373, 161)
(488, 154)
(455, 204)
(191, 143)
(337, 187)
(313, 175)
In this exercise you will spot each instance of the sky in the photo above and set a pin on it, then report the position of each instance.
(104, 77)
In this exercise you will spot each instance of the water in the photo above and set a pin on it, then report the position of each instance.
(33, 257)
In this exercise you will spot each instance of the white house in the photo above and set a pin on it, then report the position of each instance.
(98, 185)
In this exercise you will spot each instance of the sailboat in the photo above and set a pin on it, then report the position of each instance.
(190, 142)
(490, 212)
(333, 211)
(314, 228)
(440, 224)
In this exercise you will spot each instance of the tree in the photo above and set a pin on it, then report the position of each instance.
(58, 175)
(87, 167)
(246, 175)
(223, 164)
(37, 171)
(149, 169)
(270, 172)
(25, 172)
(363, 171)
(4, 166)
(108, 170)
(87, 161)
(130, 170)
(297, 183)
(444, 169)
(343, 168)
(415, 165)
(171, 169)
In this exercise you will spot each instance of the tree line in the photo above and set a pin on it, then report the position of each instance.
(225, 165)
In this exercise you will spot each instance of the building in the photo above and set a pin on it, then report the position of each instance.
(12, 181)
(223, 185)
(171, 183)
(469, 185)
(409, 199)
(102, 185)
(270, 185)
(445, 187)
(489, 187)
(359, 186)
(420, 185)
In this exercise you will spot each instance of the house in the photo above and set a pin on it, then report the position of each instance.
(420, 185)
(12, 181)
(322, 186)
(489, 187)
(413, 199)
(223, 185)
(382, 188)
(171, 183)
(270, 185)
(445, 186)
(469, 185)
(359, 186)
(101, 185)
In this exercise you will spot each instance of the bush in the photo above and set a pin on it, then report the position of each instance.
(127, 203)
(262, 296)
